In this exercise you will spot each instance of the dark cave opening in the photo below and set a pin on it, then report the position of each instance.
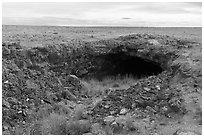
(121, 64)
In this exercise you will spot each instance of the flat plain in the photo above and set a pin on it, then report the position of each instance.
(42, 35)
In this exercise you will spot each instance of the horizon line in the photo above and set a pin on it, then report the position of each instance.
(100, 26)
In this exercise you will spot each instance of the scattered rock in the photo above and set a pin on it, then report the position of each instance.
(6, 132)
(150, 109)
(88, 134)
(122, 120)
(158, 87)
(73, 78)
(5, 51)
(133, 105)
(123, 111)
(153, 42)
(147, 89)
(5, 103)
(179, 132)
(187, 133)
(6, 82)
(164, 109)
(5, 127)
(31, 85)
(66, 94)
(109, 119)
(12, 101)
(112, 112)
(37, 70)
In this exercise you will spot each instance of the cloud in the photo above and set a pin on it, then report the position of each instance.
(167, 8)
(51, 21)
(195, 4)
(126, 18)
(115, 13)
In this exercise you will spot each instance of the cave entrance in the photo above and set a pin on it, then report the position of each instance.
(122, 64)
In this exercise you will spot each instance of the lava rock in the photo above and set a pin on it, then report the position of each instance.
(123, 111)
(109, 119)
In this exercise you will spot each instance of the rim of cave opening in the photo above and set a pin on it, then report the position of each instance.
(121, 64)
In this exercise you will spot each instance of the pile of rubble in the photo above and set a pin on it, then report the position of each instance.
(150, 95)
(33, 77)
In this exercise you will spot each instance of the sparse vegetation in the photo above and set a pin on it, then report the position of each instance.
(54, 124)
(95, 87)
(54, 89)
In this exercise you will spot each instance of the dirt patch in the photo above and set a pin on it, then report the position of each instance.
(39, 81)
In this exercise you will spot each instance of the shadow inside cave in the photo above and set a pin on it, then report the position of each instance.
(121, 64)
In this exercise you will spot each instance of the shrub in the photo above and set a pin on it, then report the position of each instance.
(95, 87)
(58, 124)
(79, 112)
(55, 124)
(62, 109)
(78, 127)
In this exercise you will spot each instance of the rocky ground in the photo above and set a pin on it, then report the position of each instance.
(43, 89)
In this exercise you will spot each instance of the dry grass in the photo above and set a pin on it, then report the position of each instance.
(55, 124)
(79, 112)
(58, 124)
(95, 87)
(59, 119)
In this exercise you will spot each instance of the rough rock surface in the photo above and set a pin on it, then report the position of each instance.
(42, 77)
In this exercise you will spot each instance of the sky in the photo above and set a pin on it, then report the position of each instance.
(131, 14)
